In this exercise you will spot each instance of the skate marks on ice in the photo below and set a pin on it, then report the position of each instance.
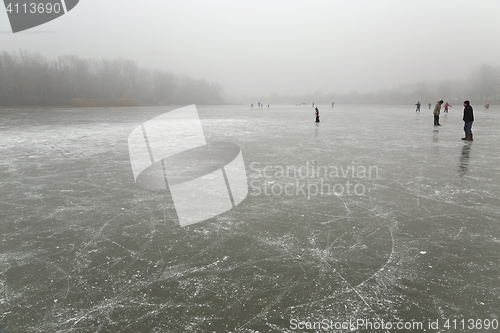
(83, 250)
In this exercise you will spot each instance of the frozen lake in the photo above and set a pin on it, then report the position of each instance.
(410, 231)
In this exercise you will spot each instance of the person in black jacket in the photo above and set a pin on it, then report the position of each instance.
(316, 112)
(468, 120)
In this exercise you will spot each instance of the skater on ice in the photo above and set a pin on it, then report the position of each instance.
(446, 106)
(437, 112)
(468, 119)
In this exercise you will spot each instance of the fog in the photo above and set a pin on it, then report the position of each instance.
(285, 47)
(126, 208)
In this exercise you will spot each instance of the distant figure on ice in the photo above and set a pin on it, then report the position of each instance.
(437, 112)
(316, 112)
(430, 106)
(446, 106)
(418, 107)
(313, 105)
(251, 105)
(487, 106)
(468, 120)
(333, 104)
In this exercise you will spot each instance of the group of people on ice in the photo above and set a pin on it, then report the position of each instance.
(259, 104)
(468, 117)
(446, 106)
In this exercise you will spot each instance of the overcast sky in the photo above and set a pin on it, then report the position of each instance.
(289, 47)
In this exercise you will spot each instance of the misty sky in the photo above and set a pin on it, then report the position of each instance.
(288, 47)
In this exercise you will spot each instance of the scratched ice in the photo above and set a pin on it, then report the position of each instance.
(85, 250)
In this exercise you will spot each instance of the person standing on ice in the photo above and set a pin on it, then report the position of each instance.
(316, 112)
(418, 107)
(446, 106)
(430, 106)
(468, 119)
(437, 112)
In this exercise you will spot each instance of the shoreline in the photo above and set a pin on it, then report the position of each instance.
(32, 107)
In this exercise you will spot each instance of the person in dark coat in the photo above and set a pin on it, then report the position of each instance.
(316, 112)
(468, 120)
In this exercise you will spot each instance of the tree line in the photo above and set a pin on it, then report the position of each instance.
(481, 85)
(29, 79)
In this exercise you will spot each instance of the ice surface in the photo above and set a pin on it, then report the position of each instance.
(84, 249)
